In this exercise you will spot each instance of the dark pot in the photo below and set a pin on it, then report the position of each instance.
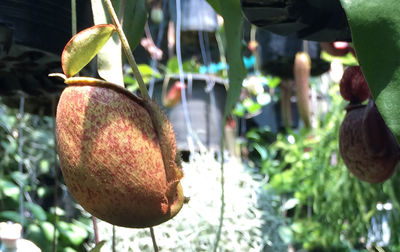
(205, 106)
(277, 54)
(317, 20)
(32, 37)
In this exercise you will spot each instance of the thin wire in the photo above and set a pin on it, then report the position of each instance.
(160, 35)
(207, 47)
(181, 72)
(20, 160)
(203, 50)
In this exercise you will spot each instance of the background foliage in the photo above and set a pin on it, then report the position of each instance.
(328, 208)
(37, 184)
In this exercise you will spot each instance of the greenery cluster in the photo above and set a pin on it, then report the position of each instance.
(327, 208)
(36, 183)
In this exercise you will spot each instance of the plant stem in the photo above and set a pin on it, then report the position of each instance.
(113, 238)
(73, 17)
(53, 108)
(21, 158)
(222, 209)
(128, 51)
(95, 230)
(153, 239)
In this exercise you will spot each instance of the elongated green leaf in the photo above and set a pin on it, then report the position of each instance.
(10, 216)
(82, 48)
(233, 21)
(135, 18)
(375, 29)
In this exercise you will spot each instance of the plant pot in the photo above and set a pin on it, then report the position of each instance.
(277, 53)
(32, 37)
(317, 20)
(206, 96)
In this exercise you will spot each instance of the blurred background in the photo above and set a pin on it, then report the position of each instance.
(286, 187)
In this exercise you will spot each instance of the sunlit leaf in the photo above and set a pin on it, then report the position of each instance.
(48, 230)
(83, 47)
(9, 189)
(75, 234)
(251, 106)
(273, 82)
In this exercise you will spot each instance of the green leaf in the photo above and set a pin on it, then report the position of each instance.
(98, 246)
(188, 66)
(251, 106)
(9, 189)
(82, 48)
(231, 11)
(69, 249)
(375, 29)
(239, 110)
(348, 59)
(135, 18)
(48, 230)
(35, 234)
(73, 233)
(147, 72)
(273, 82)
(215, 4)
(10, 216)
(36, 210)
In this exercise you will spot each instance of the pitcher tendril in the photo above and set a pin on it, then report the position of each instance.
(127, 49)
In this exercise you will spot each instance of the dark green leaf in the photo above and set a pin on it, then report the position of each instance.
(135, 17)
(215, 4)
(10, 216)
(375, 29)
